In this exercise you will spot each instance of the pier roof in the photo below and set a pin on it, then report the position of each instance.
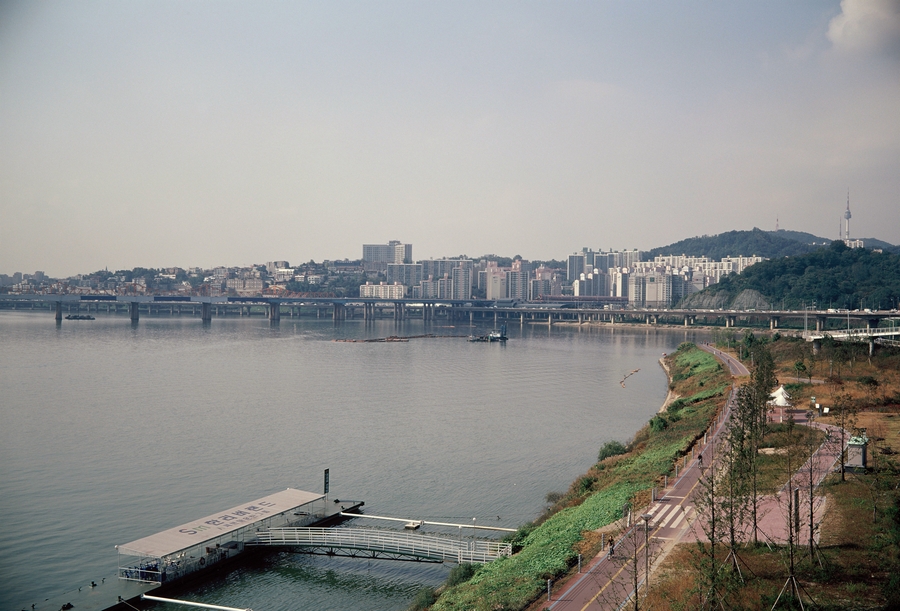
(213, 526)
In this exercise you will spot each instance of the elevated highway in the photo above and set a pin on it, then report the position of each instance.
(560, 310)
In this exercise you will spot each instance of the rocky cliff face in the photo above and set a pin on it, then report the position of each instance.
(707, 301)
(748, 299)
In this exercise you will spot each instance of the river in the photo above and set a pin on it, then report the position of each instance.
(111, 431)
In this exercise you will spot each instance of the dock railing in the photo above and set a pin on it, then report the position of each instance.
(387, 543)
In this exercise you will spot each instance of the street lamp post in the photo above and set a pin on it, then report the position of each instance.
(646, 517)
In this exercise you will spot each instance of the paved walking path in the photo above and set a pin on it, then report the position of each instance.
(608, 581)
(735, 366)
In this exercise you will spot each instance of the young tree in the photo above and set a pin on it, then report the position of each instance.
(845, 418)
(750, 420)
(713, 585)
(800, 368)
(791, 586)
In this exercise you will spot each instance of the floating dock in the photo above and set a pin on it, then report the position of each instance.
(153, 563)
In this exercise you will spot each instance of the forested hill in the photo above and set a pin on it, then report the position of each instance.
(769, 244)
(733, 243)
(833, 277)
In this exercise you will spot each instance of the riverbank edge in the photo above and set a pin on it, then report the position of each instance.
(671, 395)
(615, 494)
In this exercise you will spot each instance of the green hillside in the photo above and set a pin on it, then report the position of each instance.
(769, 244)
(734, 243)
(832, 277)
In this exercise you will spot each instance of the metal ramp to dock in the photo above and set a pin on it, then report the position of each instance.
(385, 544)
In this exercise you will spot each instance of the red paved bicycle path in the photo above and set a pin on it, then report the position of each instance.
(608, 582)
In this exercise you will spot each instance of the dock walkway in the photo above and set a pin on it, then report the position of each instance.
(374, 543)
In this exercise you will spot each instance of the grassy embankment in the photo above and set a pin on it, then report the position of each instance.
(859, 547)
(548, 548)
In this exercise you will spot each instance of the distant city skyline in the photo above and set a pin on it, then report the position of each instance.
(191, 133)
(565, 260)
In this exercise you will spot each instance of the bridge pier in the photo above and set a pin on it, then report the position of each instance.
(339, 312)
(59, 311)
(773, 322)
(135, 314)
(871, 346)
(820, 323)
(730, 321)
(871, 323)
(205, 312)
(274, 311)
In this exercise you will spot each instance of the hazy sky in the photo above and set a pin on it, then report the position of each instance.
(163, 133)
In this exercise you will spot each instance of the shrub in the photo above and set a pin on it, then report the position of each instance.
(424, 599)
(586, 484)
(658, 424)
(460, 573)
(676, 405)
(611, 448)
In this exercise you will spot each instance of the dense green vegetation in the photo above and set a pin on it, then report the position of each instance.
(830, 277)
(733, 243)
(549, 547)
(770, 244)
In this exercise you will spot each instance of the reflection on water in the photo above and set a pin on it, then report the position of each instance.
(111, 431)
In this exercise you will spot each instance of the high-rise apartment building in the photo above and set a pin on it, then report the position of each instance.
(461, 282)
(595, 284)
(409, 274)
(392, 252)
(438, 268)
(382, 291)
(650, 289)
(575, 266)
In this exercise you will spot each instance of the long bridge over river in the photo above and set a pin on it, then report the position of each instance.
(560, 310)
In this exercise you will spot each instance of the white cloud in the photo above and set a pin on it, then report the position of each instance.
(867, 25)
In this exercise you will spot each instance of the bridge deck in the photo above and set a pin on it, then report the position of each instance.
(855, 335)
(384, 544)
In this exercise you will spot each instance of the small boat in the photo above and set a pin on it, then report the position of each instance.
(493, 336)
(80, 317)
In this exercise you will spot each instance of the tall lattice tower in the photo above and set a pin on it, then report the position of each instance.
(847, 218)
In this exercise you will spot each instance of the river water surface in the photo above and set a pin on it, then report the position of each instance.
(111, 431)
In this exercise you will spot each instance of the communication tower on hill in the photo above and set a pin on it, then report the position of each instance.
(847, 218)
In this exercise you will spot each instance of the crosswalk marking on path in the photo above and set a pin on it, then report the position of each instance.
(669, 516)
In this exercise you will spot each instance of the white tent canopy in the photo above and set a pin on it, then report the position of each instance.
(780, 398)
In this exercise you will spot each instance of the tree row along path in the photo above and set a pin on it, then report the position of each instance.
(608, 581)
